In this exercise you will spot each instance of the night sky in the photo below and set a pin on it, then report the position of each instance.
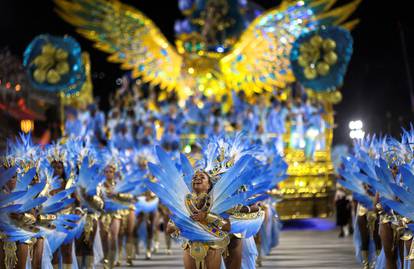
(376, 86)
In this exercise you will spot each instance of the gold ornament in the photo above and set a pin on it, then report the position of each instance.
(302, 61)
(48, 49)
(62, 68)
(330, 58)
(44, 61)
(10, 257)
(61, 54)
(304, 47)
(53, 76)
(51, 64)
(310, 73)
(39, 75)
(322, 68)
(316, 41)
(314, 54)
(335, 97)
(329, 44)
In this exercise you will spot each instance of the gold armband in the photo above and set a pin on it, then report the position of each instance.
(384, 218)
(371, 219)
(28, 219)
(234, 210)
(175, 234)
(215, 220)
(406, 235)
(125, 196)
(379, 208)
(98, 202)
(46, 218)
(362, 211)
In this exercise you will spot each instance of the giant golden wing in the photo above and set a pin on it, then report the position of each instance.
(128, 35)
(260, 59)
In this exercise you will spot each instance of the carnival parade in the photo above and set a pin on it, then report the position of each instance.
(214, 146)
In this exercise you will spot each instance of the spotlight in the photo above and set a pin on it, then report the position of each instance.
(356, 131)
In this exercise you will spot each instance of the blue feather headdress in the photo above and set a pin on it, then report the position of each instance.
(78, 149)
(22, 152)
(144, 155)
(220, 153)
(111, 156)
(56, 152)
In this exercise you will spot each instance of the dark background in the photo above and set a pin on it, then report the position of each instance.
(376, 86)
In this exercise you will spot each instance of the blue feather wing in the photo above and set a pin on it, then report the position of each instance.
(124, 187)
(56, 207)
(6, 175)
(367, 168)
(406, 197)
(53, 237)
(52, 208)
(24, 181)
(5, 199)
(10, 209)
(71, 229)
(231, 202)
(407, 177)
(244, 178)
(168, 199)
(353, 180)
(69, 217)
(59, 196)
(31, 204)
(187, 170)
(247, 227)
(399, 207)
(190, 230)
(170, 180)
(167, 164)
(385, 177)
(348, 185)
(147, 206)
(231, 181)
(32, 192)
(112, 206)
(257, 199)
(363, 200)
(16, 234)
(88, 177)
(364, 179)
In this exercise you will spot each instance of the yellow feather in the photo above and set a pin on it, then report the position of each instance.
(351, 24)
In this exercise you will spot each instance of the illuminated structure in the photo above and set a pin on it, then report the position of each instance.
(226, 45)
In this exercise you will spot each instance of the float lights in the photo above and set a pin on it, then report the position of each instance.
(355, 128)
(187, 149)
(355, 125)
(27, 125)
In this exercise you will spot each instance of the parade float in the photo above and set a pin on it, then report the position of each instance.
(57, 66)
(296, 53)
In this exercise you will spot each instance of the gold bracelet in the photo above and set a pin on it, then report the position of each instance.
(98, 202)
(28, 218)
(215, 220)
(46, 217)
